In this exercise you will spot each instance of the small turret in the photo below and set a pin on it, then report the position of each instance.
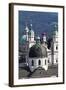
(54, 45)
(44, 37)
(26, 32)
(31, 34)
(55, 34)
(31, 26)
(38, 39)
(26, 28)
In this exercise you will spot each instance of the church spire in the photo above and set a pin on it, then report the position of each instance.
(55, 34)
(26, 28)
(31, 26)
(26, 31)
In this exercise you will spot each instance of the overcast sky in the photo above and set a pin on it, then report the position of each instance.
(41, 21)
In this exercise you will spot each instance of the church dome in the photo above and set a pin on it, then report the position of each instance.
(37, 51)
(31, 33)
(23, 39)
(26, 29)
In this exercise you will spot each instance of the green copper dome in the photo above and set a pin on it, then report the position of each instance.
(23, 39)
(37, 51)
(31, 32)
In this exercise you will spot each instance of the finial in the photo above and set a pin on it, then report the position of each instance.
(26, 28)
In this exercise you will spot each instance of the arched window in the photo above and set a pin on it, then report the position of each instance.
(39, 62)
(32, 63)
(56, 60)
(45, 62)
(56, 47)
(48, 61)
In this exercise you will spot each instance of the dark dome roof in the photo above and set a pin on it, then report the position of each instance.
(38, 51)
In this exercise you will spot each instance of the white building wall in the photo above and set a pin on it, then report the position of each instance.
(55, 45)
(31, 38)
(31, 44)
(49, 59)
(55, 50)
(55, 38)
(36, 64)
(49, 55)
(44, 38)
(45, 66)
(55, 58)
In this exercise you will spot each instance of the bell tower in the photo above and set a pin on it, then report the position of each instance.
(31, 36)
(54, 46)
(44, 37)
(31, 33)
(44, 40)
(26, 32)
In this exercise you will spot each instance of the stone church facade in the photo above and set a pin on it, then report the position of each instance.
(35, 49)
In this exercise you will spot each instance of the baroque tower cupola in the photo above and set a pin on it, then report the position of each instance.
(31, 33)
(44, 37)
(26, 32)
